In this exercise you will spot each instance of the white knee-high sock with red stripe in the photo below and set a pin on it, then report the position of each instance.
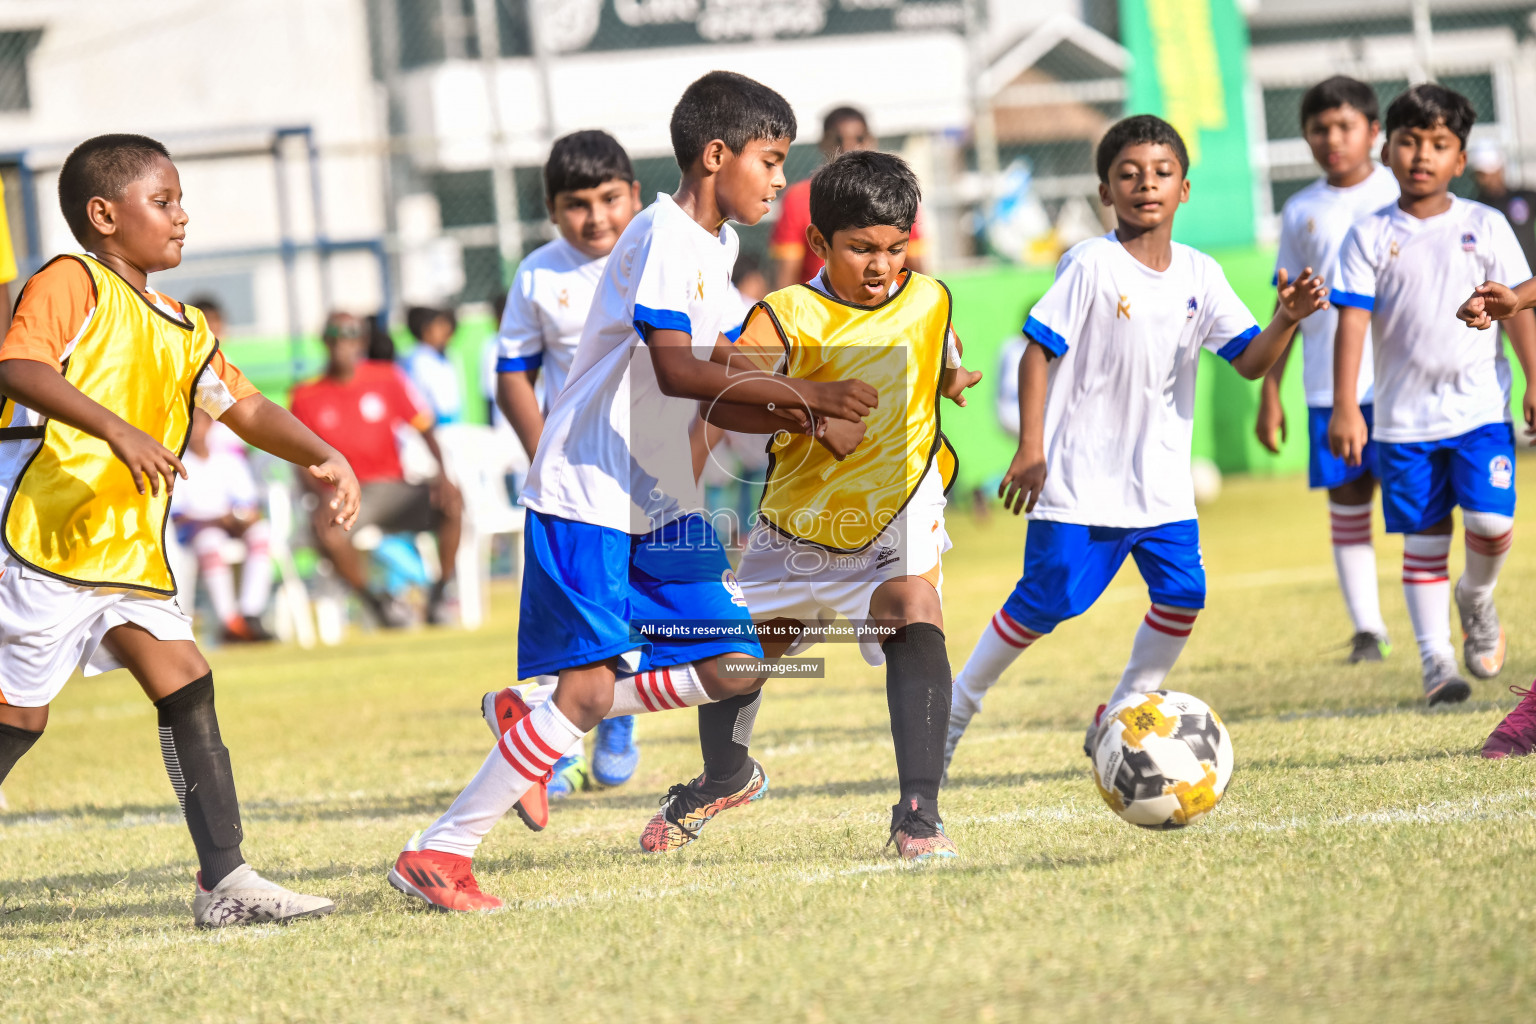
(662, 689)
(1427, 590)
(1489, 536)
(524, 755)
(1354, 556)
(1003, 640)
(1159, 640)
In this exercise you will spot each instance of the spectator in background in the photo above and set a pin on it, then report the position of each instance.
(7, 275)
(219, 501)
(1518, 206)
(842, 130)
(381, 344)
(748, 279)
(213, 312)
(356, 407)
(428, 364)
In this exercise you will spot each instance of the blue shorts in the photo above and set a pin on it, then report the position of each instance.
(1421, 481)
(1325, 469)
(591, 593)
(1067, 567)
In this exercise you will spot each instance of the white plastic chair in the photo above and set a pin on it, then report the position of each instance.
(478, 460)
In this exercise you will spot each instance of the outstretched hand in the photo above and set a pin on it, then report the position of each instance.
(955, 383)
(1023, 482)
(344, 503)
(148, 460)
(1308, 295)
(1489, 301)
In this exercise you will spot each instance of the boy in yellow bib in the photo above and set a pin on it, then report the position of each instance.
(99, 374)
(851, 523)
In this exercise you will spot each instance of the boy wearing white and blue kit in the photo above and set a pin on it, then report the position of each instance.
(627, 594)
(1106, 397)
(1340, 119)
(592, 195)
(1442, 425)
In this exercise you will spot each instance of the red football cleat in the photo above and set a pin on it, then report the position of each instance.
(1516, 735)
(443, 881)
(502, 710)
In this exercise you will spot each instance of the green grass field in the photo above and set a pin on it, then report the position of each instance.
(1365, 865)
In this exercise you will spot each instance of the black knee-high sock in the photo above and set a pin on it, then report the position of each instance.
(725, 733)
(14, 742)
(198, 764)
(918, 688)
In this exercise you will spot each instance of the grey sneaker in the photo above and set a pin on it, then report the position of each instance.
(958, 720)
(1367, 646)
(1442, 682)
(244, 897)
(1483, 645)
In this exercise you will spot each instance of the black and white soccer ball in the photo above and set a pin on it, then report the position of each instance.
(1161, 759)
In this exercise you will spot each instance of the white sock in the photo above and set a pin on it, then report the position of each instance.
(1489, 536)
(662, 689)
(256, 573)
(1427, 589)
(522, 757)
(1002, 642)
(1354, 556)
(217, 577)
(1159, 640)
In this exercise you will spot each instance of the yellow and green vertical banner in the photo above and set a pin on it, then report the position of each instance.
(1190, 67)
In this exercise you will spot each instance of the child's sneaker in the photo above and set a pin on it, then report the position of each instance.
(959, 719)
(615, 754)
(687, 807)
(1516, 735)
(1368, 646)
(501, 711)
(444, 881)
(570, 776)
(244, 897)
(1093, 731)
(1442, 682)
(918, 833)
(1483, 643)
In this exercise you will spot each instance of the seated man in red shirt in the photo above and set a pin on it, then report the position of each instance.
(356, 407)
(794, 262)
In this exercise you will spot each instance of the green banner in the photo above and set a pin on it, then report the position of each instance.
(1190, 67)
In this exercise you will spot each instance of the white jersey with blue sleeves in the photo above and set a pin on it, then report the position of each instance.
(615, 451)
(546, 311)
(1119, 412)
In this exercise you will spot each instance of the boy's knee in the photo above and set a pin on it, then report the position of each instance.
(722, 684)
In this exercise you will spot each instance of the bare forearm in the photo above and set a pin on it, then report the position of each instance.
(702, 381)
(1034, 375)
(1276, 375)
(1264, 350)
(746, 419)
(266, 425)
(1348, 350)
(1521, 331)
(43, 389)
(520, 405)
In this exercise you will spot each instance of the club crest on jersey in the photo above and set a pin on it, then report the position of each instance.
(1393, 250)
(1191, 308)
(733, 587)
(565, 298)
(1124, 308)
(1311, 226)
(699, 291)
(1468, 242)
(1501, 472)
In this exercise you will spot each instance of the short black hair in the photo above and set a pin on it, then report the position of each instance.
(1428, 105)
(837, 116)
(1340, 91)
(861, 189)
(102, 166)
(1134, 131)
(419, 318)
(585, 159)
(208, 304)
(732, 108)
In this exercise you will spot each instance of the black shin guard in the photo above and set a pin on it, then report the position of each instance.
(725, 733)
(198, 764)
(14, 742)
(918, 688)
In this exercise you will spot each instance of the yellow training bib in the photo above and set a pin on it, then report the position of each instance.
(897, 348)
(75, 513)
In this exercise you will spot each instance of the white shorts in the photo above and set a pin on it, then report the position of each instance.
(49, 628)
(792, 579)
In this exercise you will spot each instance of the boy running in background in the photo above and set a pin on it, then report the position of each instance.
(219, 501)
(99, 374)
(851, 525)
(1106, 392)
(1340, 119)
(1442, 427)
(591, 194)
(628, 595)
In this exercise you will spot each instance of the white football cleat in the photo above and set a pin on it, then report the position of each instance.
(244, 897)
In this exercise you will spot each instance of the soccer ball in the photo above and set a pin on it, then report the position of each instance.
(1161, 759)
